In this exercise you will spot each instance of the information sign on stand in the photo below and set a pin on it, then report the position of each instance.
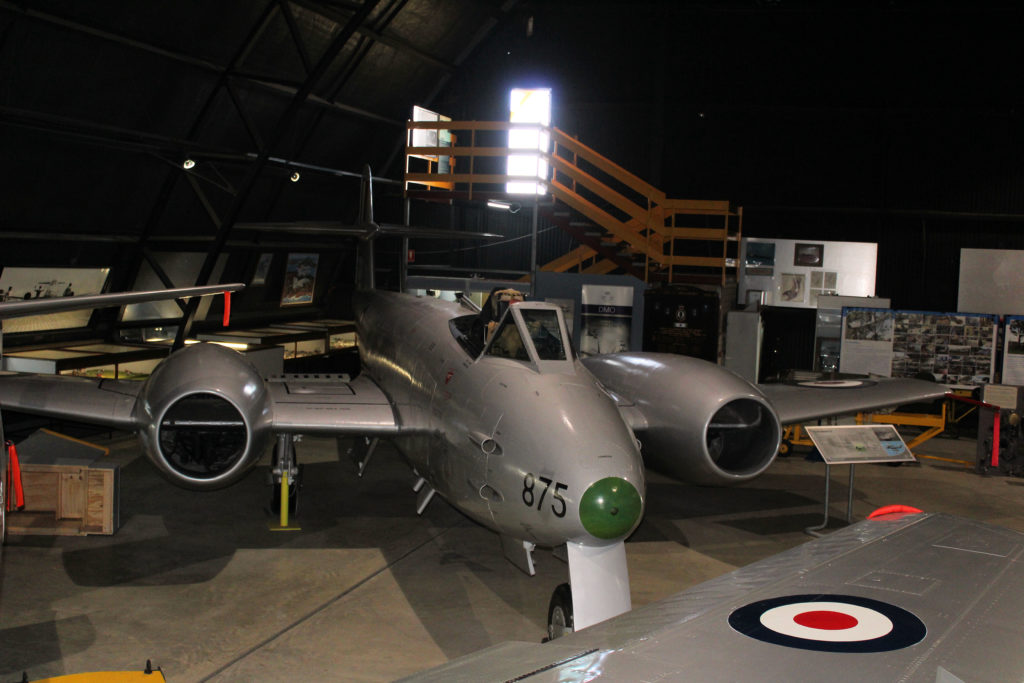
(852, 445)
(857, 444)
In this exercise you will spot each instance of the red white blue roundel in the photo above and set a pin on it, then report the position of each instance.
(829, 623)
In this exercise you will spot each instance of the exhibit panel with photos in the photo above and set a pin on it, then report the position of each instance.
(778, 272)
(606, 318)
(954, 348)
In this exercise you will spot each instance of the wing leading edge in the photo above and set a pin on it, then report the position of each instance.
(958, 578)
(801, 402)
(105, 402)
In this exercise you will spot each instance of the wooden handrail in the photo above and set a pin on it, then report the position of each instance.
(651, 225)
(608, 166)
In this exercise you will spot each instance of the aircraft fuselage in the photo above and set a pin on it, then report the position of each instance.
(532, 449)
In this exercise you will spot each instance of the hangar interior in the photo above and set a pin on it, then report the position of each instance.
(719, 168)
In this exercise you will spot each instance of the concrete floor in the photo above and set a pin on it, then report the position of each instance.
(368, 591)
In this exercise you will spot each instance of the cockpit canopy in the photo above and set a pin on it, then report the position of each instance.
(532, 332)
(544, 334)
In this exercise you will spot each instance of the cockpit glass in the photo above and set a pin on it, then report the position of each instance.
(545, 333)
(507, 342)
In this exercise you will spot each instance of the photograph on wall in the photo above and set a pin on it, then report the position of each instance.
(760, 258)
(823, 283)
(299, 278)
(606, 319)
(792, 287)
(812, 255)
(259, 276)
(20, 284)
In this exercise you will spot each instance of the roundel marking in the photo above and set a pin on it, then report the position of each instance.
(829, 623)
(837, 383)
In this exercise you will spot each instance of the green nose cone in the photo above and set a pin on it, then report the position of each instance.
(610, 508)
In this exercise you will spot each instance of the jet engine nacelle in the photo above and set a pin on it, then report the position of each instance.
(204, 417)
(704, 424)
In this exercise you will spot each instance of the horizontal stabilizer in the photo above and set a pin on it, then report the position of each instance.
(335, 229)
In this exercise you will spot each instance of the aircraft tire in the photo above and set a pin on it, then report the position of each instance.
(560, 619)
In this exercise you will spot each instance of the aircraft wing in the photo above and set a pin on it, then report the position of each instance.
(105, 402)
(804, 401)
(335, 229)
(330, 404)
(922, 598)
(302, 404)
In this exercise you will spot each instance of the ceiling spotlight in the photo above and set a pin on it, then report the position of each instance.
(295, 177)
(187, 164)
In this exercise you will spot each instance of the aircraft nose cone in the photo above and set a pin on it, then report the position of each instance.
(610, 508)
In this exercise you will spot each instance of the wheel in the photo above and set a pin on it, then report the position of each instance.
(785, 448)
(560, 620)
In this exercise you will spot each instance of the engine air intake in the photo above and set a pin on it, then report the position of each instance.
(202, 436)
(742, 436)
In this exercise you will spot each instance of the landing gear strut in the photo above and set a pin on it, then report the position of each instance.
(286, 478)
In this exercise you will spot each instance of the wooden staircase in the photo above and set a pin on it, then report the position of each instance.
(621, 222)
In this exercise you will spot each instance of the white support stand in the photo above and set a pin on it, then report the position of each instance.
(599, 579)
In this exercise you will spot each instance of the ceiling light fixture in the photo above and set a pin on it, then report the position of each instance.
(188, 164)
(295, 177)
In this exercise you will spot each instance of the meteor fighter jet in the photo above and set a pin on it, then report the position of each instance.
(492, 409)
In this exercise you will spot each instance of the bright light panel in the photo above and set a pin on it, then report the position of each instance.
(528, 106)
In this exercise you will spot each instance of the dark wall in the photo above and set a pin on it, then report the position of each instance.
(900, 124)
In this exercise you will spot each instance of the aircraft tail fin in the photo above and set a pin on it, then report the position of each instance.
(368, 229)
(364, 252)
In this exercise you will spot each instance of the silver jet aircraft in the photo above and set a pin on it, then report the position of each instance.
(509, 426)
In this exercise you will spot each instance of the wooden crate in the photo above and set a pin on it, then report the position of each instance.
(69, 491)
(67, 500)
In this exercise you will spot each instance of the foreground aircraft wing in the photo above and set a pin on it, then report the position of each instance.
(922, 598)
(809, 400)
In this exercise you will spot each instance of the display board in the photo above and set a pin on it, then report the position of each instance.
(1013, 351)
(778, 272)
(991, 281)
(955, 348)
(859, 444)
(606, 318)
